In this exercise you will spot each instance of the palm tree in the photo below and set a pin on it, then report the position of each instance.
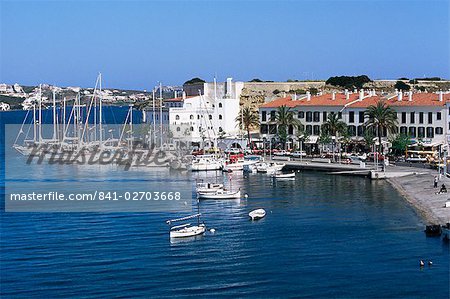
(285, 118)
(381, 117)
(334, 127)
(248, 118)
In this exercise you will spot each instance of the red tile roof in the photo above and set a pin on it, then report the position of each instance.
(418, 99)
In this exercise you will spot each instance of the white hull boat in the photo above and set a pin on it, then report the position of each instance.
(270, 168)
(284, 175)
(220, 194)
(257, 214)
(187, 230)
(209, 187)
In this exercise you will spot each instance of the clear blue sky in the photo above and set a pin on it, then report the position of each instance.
(137, 43)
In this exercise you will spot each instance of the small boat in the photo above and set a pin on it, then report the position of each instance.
(206, 163)
(208, 187)
(257, 214)
(220, 194)
(270, 167)
(284, 175)
(187, 229)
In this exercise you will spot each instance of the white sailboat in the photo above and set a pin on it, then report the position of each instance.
(186, 229)
(220, 194)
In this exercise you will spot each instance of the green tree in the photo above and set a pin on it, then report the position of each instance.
(368, 138)
(381, 117)
(194, 81)
(400, 85)
(248, 119)
(285, 118)
(334, 127)
(399, 144)
(348, 81)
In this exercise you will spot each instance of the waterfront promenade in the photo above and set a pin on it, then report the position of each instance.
(419, 192)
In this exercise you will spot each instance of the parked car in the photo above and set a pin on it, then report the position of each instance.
(280, 153)
(298, 154)
(233, 150)
(371, 157)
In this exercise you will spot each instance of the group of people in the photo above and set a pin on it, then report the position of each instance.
(435, 185)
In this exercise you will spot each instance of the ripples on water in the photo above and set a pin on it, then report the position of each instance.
(323, 236)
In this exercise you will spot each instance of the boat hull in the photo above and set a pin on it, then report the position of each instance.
(188, 231)
(220, 196)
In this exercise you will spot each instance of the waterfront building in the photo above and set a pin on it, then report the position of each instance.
(209, 115)
(423, 116)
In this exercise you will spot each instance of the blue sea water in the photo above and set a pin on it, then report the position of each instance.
(324, 236)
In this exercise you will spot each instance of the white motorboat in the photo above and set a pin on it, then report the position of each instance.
(208, 187)
(270, 167)
(257, 214)
(187, 229)
(220, 194)
(284, 175)
(206, 163)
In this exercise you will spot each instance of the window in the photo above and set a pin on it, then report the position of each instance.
(360, 131)
(192, 129)
(178, 129)
(316, 130)
(198, 116)
(412, 132)
(264, 116)
(309, 129)
(272, 115)
(220, 116)
(272, 129)
(439, 131)
(430, 117)
(421, 132)
(324, 116)
(291, 129)
(220, 105)
(351, 117)
(361, 117)
(316, 116)
(301, 114)
(438, 116)
(403, 117)
(191, 117)
(210, 116)
(177, 117)
(404, 130)
(221, 130)
(430, 132)
(339, 115)
(309, 116)
(352, 130)
(412, 116)
(420, 117)
(264, 129)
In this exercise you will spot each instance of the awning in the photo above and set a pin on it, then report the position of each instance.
(312, 139)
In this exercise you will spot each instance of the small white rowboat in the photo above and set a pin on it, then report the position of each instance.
(257, 214)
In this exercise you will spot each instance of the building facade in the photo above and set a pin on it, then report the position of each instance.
(422, 116)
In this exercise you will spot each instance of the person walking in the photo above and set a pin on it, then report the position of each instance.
(435, 182)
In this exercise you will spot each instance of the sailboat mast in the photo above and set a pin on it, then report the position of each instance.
(34, 122)
(153, 116)
(160, 115)
(40, 113)
(100, 114)
(54, 115)
(64, 119)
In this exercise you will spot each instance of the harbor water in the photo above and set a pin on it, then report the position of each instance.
(323, 236)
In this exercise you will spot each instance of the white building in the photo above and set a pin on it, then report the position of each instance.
(422, 116)
(210, 115)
